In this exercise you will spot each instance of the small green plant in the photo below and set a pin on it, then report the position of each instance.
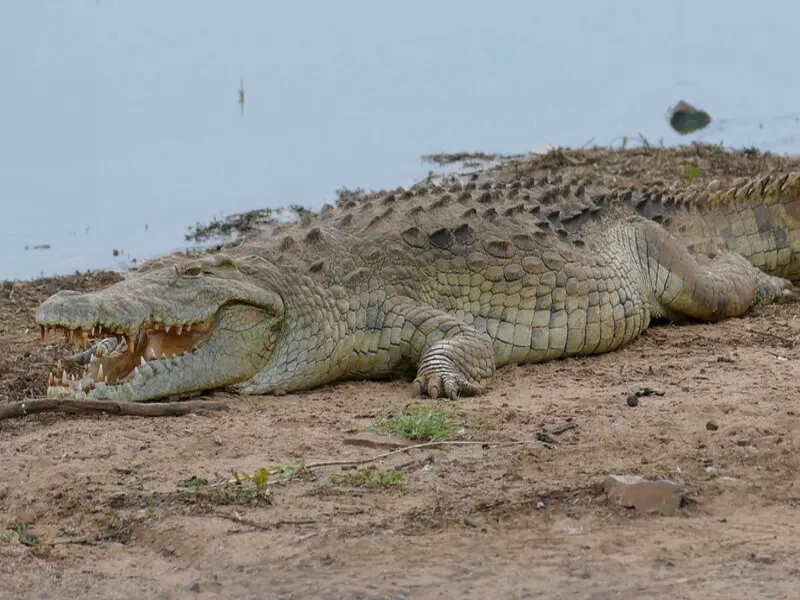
(422, 424)
(291, 471)
(368, 476)
(244, 489)
(25, 537)
(389, 479)
(118, 526)
(690, 173)
(259, 478)
(194, 482)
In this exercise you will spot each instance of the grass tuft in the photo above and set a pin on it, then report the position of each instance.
(421, 424)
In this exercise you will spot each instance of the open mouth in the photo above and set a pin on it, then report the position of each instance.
(113, 357)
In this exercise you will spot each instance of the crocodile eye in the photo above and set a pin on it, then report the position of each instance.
(192, 270)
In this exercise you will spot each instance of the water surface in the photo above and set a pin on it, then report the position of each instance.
(120, 126)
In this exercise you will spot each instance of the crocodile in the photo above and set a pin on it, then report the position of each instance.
(441, 282)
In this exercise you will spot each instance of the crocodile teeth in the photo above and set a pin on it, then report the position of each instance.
(52, 380)
(100, 350)
(179, 330)
(100, 375)
(137, 376)
(59, 368)
(153, 354)
(131, 339)
(64, 379)
(84, 338)
(142, 361)
(167, 328)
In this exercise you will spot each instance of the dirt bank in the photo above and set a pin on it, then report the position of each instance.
(123, 507)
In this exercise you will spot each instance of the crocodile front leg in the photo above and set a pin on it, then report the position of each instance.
(453, 358)
(449, 356)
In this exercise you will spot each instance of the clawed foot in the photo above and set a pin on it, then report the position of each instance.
(774, 289)
(455, 367)
(436, 385)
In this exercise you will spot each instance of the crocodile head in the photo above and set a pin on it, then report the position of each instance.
(174, 327)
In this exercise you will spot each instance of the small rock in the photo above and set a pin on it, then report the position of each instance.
(685, 118)
(659, 496)
(377, 440)
(763, 559)
(634, 394)
(712, 426)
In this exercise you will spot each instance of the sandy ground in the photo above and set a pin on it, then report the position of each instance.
(124, 507)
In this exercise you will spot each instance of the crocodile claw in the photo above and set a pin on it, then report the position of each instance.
(435, 386)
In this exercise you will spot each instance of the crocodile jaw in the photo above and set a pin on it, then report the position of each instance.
(229, 347)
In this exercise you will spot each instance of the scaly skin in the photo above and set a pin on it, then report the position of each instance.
(449, 283)
(758, 219)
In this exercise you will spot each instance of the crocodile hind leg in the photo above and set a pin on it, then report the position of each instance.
(698, 288)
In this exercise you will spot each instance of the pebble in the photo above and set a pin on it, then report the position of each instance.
(633, 399)
(763, 559)
(712, 426)
(647, 496)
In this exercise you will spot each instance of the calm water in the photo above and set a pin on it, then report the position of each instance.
(120, 127)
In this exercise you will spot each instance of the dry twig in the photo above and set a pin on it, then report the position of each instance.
(237, 518)
(791, 342)
(548, 435)
(135, 409)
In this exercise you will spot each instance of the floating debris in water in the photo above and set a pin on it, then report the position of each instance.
(242, 97)
(39, 247)
(685, 118)
(447, 158)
